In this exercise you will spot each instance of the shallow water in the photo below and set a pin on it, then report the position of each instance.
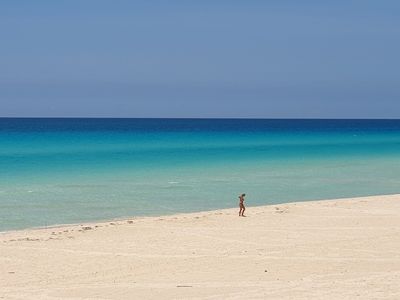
(56, 171)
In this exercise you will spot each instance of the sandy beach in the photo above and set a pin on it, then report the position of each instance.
(331, 249)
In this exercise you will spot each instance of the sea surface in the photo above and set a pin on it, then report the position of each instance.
(56, 171)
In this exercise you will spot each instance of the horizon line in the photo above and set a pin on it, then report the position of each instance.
(194, 118)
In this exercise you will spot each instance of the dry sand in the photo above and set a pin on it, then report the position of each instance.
(336, 249)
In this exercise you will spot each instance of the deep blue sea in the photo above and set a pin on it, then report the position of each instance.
(55, 171)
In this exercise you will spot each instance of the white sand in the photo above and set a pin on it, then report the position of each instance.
(337, 249)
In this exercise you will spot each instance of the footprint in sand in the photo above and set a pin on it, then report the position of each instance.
(281, 210)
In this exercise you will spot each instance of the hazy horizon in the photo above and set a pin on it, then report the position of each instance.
(208, 59)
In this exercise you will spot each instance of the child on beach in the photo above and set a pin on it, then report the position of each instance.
(241, 205)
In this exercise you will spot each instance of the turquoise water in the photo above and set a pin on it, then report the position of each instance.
(56, 171)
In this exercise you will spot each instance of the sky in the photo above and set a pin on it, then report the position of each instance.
(200, 59)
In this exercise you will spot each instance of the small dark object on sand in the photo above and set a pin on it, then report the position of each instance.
(87, 228)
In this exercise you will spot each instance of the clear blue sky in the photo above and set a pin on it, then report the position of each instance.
(204, 58)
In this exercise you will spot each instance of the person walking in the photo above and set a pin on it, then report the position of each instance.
(241, 205)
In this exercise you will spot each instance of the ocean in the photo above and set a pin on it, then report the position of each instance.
(67, 170)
